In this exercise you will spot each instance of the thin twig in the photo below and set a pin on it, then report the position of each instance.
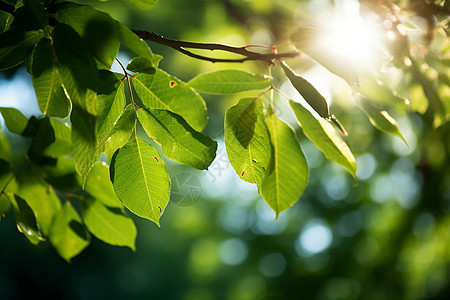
(181, 45)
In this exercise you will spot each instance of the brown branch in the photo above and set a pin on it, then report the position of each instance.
(181, 45)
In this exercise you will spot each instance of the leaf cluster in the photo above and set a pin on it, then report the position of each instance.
(86, 160)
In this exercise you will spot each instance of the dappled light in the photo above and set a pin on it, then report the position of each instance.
(212, 179)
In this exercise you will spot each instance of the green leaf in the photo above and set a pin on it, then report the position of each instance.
(47, 83)
(141, 65)
(143, 4)
(30, 15)
(40, 197)
(5, 149)
(437, 105)
(6, 178)
(76, 66)
(85, 148)
(67, 234)
(322, 134)
(313, 42)
(109, 224)
(247, 140)
(63, 143)
(15, 121)
(98, 29)
(90, 133)
(6, 20)
(288, 171)
(381, 94)
(43, 137)
(99, 185)
(62, 176)
(5, 204)
(380, 118)
(25, 219)
(178, 140)
(110, 104)
(160, 90)
(15, 45)
(122, 131)
(308, 92)
(228, 82)
(140, 179)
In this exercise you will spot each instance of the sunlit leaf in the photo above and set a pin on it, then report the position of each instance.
(15, 121)
(62, 175)
(308, 92)
(63, 142)
(311, 41)
(99, 185)
(160, 90)
(380, 118)
(47, 83)
(143, 4)
(6, 20)
(109, 224)
(322, 134)
(25, 219)
(110, 104)
(15, 45)
(5, 149)
(122, 131)
(140, 179)
(141, 65)
(98, 29)
(247, 140)
(40, 196)
(287, 175)
(5, 204)
(228, 82)
(178, 140)
(67, 233)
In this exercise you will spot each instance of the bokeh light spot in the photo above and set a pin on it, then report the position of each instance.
(314, 238)
(272, 265)
(233, 252)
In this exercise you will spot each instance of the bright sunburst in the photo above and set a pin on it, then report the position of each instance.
(352, 37)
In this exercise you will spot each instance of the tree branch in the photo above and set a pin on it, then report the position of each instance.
(181, 45)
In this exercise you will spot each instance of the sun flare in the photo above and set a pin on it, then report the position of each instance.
(353, 38)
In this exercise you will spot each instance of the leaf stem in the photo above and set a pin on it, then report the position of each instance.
(128, 83)
(181, 45)
(7, 183)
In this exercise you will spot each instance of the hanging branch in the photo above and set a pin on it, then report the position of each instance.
(181, 45)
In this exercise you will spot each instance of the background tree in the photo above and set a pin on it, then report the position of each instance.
(389, 238)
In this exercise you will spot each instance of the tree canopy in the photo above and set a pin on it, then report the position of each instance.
(107, 143)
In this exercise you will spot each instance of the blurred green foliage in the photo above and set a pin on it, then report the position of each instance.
(386, 236)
